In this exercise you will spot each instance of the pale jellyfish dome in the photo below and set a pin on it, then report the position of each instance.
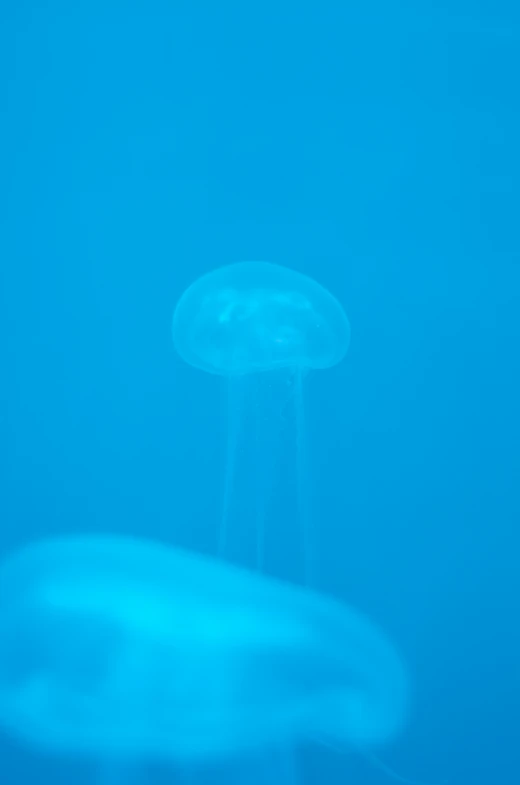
(121, 648)
(251, 317)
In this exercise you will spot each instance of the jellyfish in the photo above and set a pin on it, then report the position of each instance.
(263, 327)
(125, 652)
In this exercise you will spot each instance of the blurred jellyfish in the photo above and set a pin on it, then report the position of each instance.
(263, 327)
(122, 651)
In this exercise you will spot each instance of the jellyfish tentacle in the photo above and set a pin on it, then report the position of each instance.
(271, 396)
(261, 491)
(265, 467)
(235, 393)
(302, 486)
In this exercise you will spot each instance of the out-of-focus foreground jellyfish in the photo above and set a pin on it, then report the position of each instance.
(263, 327)
(123, 651)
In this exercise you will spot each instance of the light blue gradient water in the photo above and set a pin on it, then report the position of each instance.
(374, 149)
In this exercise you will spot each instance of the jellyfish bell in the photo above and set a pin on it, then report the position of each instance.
(53, 664)
(121, 649)
(253, 317)
(263, 327)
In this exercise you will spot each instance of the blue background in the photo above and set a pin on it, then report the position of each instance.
(143, 144)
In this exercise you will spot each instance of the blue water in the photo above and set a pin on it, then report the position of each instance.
(376, 150)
